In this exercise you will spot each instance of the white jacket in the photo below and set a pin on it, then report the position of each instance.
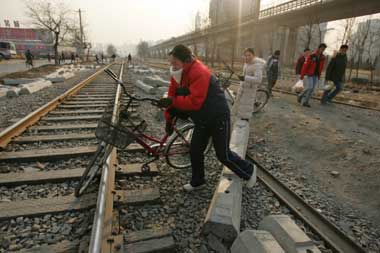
(245, 99)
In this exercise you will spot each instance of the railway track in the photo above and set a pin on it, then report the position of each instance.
(46, 153)
(52, 146)
(356, 103)
(331, 234)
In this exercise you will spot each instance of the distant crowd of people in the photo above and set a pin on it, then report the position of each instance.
(308, 69)
(72, 58)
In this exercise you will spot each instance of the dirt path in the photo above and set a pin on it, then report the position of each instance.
(313, 142)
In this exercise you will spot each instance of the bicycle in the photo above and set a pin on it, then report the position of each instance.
(175, 148)
(262, 94)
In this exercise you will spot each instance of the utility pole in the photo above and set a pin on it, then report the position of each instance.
(82, 46)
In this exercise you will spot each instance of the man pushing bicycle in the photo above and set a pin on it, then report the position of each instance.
(195, 91)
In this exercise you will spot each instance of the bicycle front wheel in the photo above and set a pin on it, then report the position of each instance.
(262, 97)
(177, 151)
(92, 169)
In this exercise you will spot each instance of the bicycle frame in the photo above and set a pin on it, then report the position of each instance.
(157, 149)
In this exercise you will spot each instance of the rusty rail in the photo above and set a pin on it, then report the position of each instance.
(20, 126)
(101, 235)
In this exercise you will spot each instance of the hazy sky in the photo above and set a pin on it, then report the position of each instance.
(124, 21)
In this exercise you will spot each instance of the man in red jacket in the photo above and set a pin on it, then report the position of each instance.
(312, 69)
(193, 89)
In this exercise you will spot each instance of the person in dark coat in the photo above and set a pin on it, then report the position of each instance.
(29, 58)
(335, 72)
(301, 61)
(72, 58)
(273, 70)
(195, 90)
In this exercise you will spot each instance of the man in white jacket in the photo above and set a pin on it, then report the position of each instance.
(250, 80)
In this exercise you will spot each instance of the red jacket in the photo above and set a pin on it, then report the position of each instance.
(310, 65)
(196, 76)
(299, 64)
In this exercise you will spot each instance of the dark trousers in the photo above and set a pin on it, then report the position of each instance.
(328, 95)
(219, 130)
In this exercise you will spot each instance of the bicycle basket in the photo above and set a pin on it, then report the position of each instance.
(119, 135)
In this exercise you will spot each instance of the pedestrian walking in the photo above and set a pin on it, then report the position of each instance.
(249, 81)
(194, 89)
(102, 57)
(49, 57)
(72, 58)
(97, 59)
(29, 58)
(129, 58)
(335, 73)
(312, 70)
(301, 60)
(273, 70)
(63, 58)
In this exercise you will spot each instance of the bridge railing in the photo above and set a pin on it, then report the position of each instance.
(286, 7)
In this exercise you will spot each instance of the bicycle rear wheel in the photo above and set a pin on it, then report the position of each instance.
(177, 151)
(92, 168)
(262, 97)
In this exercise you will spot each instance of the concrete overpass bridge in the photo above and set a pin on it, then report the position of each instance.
(283, 19)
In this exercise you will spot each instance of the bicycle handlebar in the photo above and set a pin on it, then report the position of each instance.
(113, 75)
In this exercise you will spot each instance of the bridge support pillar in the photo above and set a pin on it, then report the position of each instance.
(290, 48)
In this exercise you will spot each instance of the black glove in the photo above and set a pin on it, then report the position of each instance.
(164, 102)
(182, 91)
(169, 128)
(241, 78)
(178, 113)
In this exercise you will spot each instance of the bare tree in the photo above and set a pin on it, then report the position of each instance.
(111, 50)
(311, 32)
(52, 17)
(306, 35)
(143, 49)
(363, 34)
(348, 25)
(372, 50)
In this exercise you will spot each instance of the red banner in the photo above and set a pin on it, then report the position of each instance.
(18, 34)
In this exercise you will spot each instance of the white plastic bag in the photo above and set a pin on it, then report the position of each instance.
(328, 85)
(298, 87)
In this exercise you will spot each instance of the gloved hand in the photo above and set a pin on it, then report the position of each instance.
(169, 128)
(165, 102)
(241, 78)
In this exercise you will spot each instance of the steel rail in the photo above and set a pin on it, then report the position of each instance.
(331, 234)
(20, 126)
(105, 189)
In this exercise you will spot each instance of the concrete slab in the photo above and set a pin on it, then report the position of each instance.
(56, 79)
(223, 216)
(3, 93)
(291, 238)
(162, 90)
(15, 82)
(11, 93)
(33, 87)
(256, 241)
(146, 88)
